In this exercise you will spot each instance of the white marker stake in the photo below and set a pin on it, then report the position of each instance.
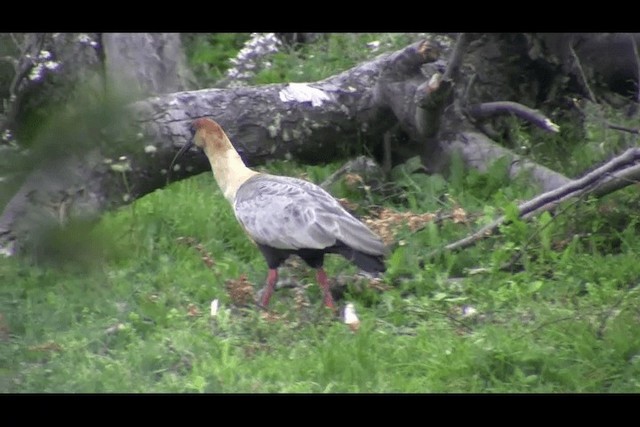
(214, 308)
(350, 317)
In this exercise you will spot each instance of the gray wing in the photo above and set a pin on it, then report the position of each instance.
(290, 213)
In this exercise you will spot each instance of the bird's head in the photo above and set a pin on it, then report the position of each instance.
(206, 134)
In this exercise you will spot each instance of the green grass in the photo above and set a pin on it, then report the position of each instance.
(328, 56)
(136, 319)
(209, 55)
(126, 309)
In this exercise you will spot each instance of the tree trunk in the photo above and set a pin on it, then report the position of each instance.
(75, 174)
(422, 94)
(148, 64)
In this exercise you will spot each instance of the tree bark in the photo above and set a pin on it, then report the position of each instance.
(479, 152)
(609, 57)
(420, 92)
(76, 174)
(148, 64)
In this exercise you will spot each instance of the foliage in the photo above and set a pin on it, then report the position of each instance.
(332, 54)
(137, 320)
(209, 53)
(548, 305)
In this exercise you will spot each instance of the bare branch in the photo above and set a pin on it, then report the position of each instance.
(31, 45)
(15, 40)
(581, 75)
(432, 96)
(27, 63)
(455, 61)
(487, 109)
(467, 89)
(634, 131)
(589, 180)
(434, 91)
(608, 176)
(617, 180)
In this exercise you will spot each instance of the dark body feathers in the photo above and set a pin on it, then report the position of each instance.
(315, 257)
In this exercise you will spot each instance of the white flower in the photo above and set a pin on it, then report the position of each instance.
(84, 38)
(36, 72)
(250, 59)
(374, 45)
(51, 65)
(7, 135)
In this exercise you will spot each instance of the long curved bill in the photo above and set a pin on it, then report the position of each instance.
(184, 148)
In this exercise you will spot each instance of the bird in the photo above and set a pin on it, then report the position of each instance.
(284, 215)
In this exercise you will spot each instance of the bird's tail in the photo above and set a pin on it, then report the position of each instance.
(367, 262)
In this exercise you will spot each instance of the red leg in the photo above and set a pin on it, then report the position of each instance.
(321, 276)
(272, 279)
